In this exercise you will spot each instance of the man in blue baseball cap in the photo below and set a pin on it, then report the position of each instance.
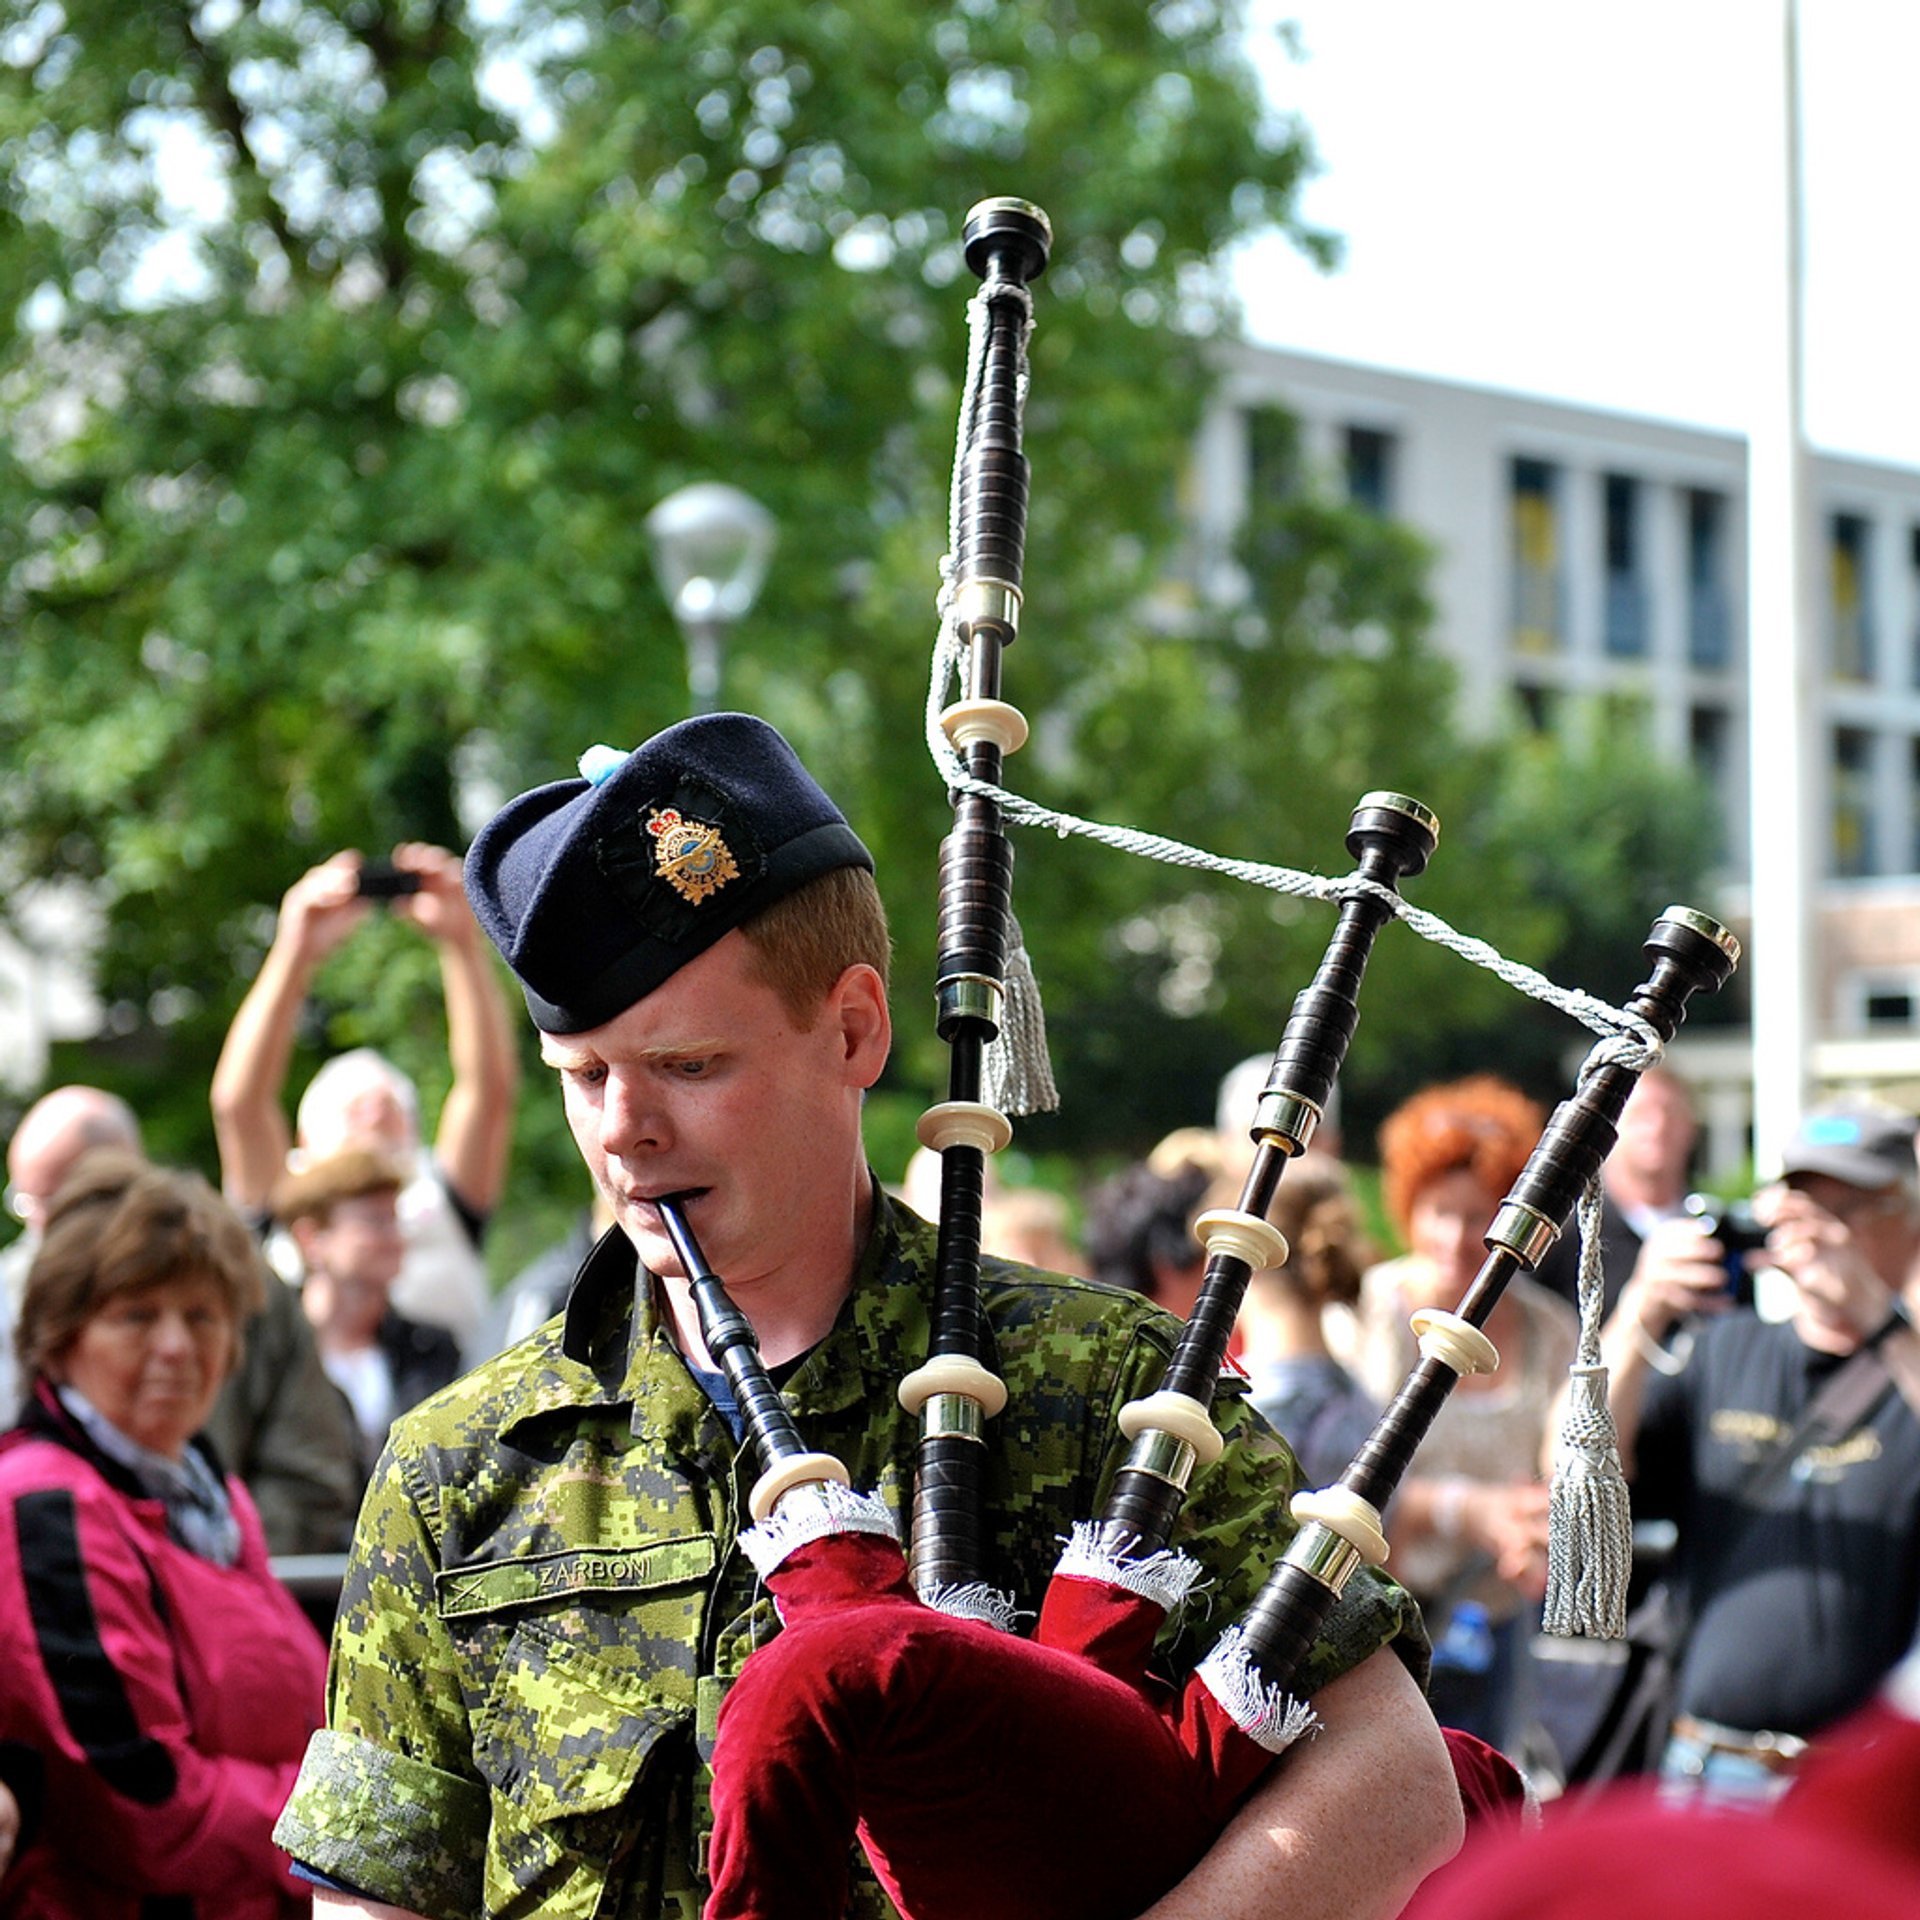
(1787, 1453)
(545, 1606)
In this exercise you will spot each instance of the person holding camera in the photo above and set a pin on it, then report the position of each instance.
(1787, 1454)
(361, 1099)
(1643, 1187)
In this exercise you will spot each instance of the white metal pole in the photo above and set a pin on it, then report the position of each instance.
(1788, 735)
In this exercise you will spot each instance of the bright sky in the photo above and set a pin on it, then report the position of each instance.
(1568, 199)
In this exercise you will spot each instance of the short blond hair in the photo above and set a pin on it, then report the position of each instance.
(118, 1226)
(803, 943)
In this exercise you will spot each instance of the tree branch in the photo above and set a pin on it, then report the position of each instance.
(393, 60)
(214, 85)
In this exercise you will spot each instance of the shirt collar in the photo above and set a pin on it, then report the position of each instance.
(622, 1352)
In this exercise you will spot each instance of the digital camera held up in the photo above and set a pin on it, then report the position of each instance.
(1737, 1228)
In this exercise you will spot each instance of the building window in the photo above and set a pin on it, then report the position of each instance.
(1273, 454)
(1710, 748)
(1370, 461)
(1536, 558)
(1625, 624)
(1709, 623)
(1913, 557)
(1849, 607)
(1883, 1002)
(1539, 710)
(1913, 806)
(1853, 848)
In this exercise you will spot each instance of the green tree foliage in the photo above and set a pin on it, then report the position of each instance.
(349, 344)
(327, 453)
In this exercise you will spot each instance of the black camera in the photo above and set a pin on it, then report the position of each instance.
(1737, 1228)
(380, 881)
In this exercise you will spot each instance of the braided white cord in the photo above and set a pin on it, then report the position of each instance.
(1627, 1039)
(1591, 1288)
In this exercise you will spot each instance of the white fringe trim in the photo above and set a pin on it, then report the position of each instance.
(1532, 1814)
(1269, 1716)
(975, 1600)
(1165, 1577)
(812, 1512)
(1902, 1689)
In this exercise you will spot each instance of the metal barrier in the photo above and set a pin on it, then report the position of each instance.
(314, 1580)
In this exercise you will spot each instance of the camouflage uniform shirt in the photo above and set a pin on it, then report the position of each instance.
(545, 1605)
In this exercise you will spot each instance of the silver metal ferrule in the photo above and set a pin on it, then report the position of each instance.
(1321, 1553)
(1287, 1118)
(985, 602)
(1403, 803)
(1011, 203)
(969, 996)
(1163, 1455)
(1708, 928)
(953, 1415)
(1523, 1230)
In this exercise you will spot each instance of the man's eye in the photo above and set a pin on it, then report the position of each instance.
(693, 1069)
(587, 1076)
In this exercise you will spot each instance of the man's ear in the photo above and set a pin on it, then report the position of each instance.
(857, 1005)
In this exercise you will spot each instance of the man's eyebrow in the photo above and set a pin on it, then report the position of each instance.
(693, 1048)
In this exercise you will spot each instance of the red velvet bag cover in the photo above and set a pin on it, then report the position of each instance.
(984, 1774)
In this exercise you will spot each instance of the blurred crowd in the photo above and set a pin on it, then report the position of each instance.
(197, 1384)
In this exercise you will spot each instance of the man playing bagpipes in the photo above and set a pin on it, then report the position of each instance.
(545, 1606)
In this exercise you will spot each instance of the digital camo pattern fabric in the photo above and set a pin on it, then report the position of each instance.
(545, 1603)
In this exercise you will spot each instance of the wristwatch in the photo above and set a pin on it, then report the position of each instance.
(1897, 1317)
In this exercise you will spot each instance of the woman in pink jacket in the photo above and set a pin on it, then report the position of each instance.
(157, 1686)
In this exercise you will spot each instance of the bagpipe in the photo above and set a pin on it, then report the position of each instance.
(984, 1772)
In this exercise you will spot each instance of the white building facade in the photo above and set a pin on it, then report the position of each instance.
(1584, 556)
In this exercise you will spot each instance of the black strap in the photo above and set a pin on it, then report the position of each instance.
(90, 1689)
(1846, 1397)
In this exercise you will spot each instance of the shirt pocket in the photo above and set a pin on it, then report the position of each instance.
(565, 1743)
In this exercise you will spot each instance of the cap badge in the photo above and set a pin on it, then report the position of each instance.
(689, 855)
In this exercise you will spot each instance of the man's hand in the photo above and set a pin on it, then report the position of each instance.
(1817, 1251)
(440, 908)
(351, 1906)
(321, 909)
(1510, 1522)
(1681, 1270)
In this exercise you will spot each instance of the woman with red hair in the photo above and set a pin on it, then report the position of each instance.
(1469, 1525)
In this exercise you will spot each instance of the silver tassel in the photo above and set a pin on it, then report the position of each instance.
(1589, 1513)
(1018, 1074)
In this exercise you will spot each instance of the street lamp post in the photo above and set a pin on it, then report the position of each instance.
(711, 545)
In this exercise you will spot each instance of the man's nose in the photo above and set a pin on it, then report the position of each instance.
(631, 1117)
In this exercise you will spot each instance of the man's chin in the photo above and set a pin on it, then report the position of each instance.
(648, 1239)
